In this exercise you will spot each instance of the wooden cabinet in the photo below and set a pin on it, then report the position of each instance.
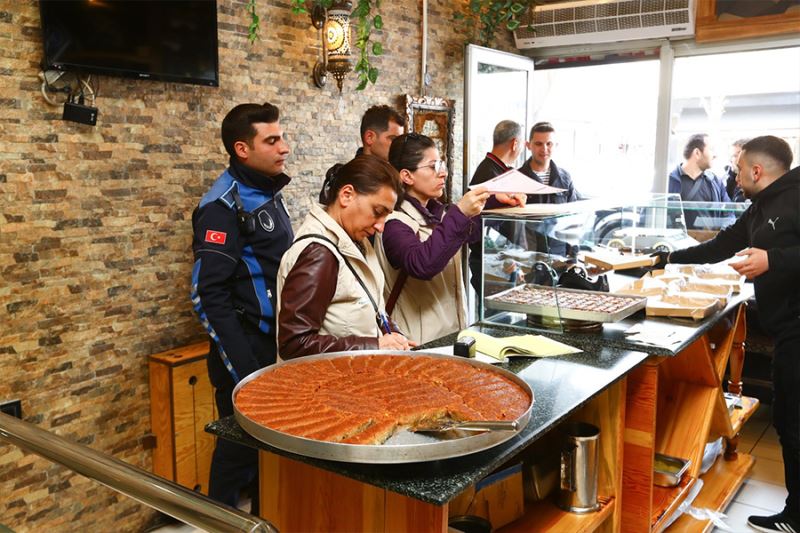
(672, 405)
(181, 404)
(607, 412)
(675, 406)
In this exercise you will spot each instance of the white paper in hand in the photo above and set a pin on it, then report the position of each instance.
(514, 181)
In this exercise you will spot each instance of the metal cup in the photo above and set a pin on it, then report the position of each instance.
(579, 460)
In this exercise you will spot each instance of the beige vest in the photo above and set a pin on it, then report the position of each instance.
(350, 312)
(425, 309)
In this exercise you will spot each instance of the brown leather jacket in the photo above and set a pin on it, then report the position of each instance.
(306, 294)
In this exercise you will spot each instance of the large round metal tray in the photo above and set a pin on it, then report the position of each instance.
(411, 448)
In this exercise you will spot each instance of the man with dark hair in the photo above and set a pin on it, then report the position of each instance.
(695, 182)
(540, 167)
(734, 191)
(380, 125)
(507, 145)
(767, 237)
(241, 230)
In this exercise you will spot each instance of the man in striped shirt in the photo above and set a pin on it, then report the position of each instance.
(542, 169)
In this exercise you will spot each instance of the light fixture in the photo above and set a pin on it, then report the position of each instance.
(336, 58)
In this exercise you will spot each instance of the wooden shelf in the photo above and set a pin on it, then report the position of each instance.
(728, 424)
(740, 416)
(720, 484)
(546, 516)
(667, 499)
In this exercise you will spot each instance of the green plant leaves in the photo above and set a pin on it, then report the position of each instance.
(378, 22)
(481, 19)
(377, 49)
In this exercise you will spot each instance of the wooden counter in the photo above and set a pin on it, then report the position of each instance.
(669, 401)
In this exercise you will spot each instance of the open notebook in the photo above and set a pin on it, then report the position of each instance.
(518, 345)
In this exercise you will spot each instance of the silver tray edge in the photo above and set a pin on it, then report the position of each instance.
(380, 454)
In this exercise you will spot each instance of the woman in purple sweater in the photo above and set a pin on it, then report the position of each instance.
(420, 248)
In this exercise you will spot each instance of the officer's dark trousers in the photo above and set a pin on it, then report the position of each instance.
(233, 466)
(786, 416)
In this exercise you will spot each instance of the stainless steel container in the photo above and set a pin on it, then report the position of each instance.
(668, 470)
(579, 460)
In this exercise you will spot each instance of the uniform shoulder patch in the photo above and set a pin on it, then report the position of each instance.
(216, 237)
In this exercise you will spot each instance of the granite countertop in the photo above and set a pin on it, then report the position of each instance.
(560, 385)
(666, 336)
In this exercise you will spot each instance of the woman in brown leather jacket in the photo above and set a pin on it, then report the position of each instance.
(330, 285)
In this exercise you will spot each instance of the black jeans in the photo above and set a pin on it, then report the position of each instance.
(786, 416)
(233, 466)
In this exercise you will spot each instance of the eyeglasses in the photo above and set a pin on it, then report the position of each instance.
(438, 166)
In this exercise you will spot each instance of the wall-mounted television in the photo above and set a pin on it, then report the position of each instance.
(156, 40)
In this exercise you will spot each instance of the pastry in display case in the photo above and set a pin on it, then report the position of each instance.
(549, 270)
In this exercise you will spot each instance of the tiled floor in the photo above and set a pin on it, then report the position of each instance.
(762, 494)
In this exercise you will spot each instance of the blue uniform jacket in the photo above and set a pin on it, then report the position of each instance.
(234, 274)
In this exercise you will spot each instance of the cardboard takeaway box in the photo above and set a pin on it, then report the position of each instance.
(693, 307)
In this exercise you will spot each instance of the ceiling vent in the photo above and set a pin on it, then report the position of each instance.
(604, 21)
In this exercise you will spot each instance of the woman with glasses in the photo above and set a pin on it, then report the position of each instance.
(330, 284)
(420, 247)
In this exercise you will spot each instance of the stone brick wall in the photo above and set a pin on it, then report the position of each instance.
(95, 226)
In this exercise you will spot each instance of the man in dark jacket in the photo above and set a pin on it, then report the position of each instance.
(507, 145)
(734, 191)
(767, 237)
(695, 182)
(540, 167)
(241, 230)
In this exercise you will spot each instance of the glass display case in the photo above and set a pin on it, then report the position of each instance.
(535, 274)
(705, 219)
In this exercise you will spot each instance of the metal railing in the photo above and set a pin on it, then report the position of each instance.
(161, 494)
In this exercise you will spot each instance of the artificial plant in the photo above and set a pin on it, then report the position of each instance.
(484, 17)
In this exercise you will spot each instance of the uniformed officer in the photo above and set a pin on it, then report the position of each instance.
(241, 230)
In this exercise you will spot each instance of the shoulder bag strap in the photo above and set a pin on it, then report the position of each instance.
(346, 262)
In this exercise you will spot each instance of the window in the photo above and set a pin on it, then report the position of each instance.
(733, 96)
(605, 122)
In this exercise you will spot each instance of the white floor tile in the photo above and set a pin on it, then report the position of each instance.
(754, 429)
(764, 495)
(770, 435)
(768, 471)
(737, 514)
(768, 450)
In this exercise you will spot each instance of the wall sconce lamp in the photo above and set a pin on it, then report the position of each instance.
(336, 58)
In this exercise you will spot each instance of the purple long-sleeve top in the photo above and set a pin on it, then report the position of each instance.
(424, 260)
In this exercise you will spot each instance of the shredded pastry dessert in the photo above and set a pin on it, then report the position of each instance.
(363, 399)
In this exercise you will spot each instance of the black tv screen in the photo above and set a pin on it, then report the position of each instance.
(158, 40)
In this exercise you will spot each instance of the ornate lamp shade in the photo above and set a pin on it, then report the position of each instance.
(337, 35)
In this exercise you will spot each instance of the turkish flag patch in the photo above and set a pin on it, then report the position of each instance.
(216, 237)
